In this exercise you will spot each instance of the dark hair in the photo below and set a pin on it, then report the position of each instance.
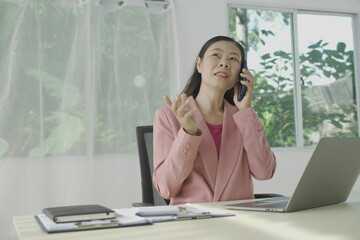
(193, 85)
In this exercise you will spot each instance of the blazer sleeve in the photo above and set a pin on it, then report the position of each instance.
(261, 159)
(175, 152)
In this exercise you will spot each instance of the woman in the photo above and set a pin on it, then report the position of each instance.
(208, 145)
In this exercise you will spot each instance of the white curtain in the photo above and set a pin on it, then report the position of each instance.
(76, 78)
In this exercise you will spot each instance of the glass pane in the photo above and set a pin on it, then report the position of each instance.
(134, 74)
(78, 79)
(327, 76)
(40, 113)
(267, 36)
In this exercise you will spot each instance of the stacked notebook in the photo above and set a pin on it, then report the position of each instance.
(78, 213)
(85, 217)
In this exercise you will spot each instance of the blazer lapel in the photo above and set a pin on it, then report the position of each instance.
(230, 145)
(207, 149)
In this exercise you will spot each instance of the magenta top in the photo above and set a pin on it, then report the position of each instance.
(216, 130)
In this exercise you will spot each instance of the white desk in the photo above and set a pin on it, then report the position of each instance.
(335, 222)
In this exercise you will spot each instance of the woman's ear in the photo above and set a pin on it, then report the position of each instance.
(198, 64)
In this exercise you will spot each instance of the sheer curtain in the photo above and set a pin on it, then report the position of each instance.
(76, 78)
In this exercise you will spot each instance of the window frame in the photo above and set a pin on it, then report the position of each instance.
(299, 130)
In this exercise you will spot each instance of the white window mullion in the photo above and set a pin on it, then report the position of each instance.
(356, 34)
(89, 83)
(297, 85)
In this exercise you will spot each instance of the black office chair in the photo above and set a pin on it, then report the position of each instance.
(150, 196)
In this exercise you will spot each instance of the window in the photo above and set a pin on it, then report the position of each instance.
(77, 77)
(303, 63)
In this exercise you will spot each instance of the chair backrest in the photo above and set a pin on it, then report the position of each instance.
(144, 135)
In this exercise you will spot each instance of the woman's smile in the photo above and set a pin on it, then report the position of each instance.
(222, 74)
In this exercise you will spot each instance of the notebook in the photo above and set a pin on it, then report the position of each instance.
(78, 213)
(327, 179)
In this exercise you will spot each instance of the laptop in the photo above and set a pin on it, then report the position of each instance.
(327, 179)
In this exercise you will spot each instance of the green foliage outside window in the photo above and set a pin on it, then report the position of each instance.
(274, 98)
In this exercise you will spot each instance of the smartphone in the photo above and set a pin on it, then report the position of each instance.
(242, 88)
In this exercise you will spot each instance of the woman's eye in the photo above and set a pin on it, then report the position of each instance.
(234, 59)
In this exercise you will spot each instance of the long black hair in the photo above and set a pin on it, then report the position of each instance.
(193, 85)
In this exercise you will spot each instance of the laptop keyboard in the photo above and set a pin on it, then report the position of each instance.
(272, 203)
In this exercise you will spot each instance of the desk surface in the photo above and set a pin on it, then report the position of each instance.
(335, 222)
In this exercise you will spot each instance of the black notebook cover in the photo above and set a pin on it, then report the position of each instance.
(78, 213)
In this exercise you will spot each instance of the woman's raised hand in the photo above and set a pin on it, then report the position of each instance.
(249, 82)
(183, 112)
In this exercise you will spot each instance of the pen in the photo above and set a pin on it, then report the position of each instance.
(189, 217)
(191, 210)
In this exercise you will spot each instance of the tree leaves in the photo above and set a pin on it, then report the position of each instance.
(4, 146)
(61, 138)
(319, 44)
(68, 94)
(274, 96)
(341, 47)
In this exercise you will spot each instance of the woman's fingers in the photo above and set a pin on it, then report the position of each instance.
(175, 104)
(180, 106)
(167, 101)
(188, 115)
(183, 97)
(247, 74)
(183, 112)
(183, 108)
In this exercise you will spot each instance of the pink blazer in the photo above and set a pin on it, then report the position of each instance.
(187, 169)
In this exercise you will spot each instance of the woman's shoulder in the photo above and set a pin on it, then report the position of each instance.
(163, 110)
(164, 118)
(163, 113)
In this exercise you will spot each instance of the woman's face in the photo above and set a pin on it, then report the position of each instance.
(220, 66)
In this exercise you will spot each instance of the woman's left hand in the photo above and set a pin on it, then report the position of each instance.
(249, 83)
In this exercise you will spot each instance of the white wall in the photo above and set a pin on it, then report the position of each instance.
(290, 166)
(33, 184)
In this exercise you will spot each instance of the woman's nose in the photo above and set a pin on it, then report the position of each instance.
(225, 64)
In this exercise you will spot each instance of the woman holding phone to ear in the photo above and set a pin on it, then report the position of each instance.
(208, 145)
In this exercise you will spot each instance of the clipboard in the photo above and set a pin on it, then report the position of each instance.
(122, 220)
(179, 212)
